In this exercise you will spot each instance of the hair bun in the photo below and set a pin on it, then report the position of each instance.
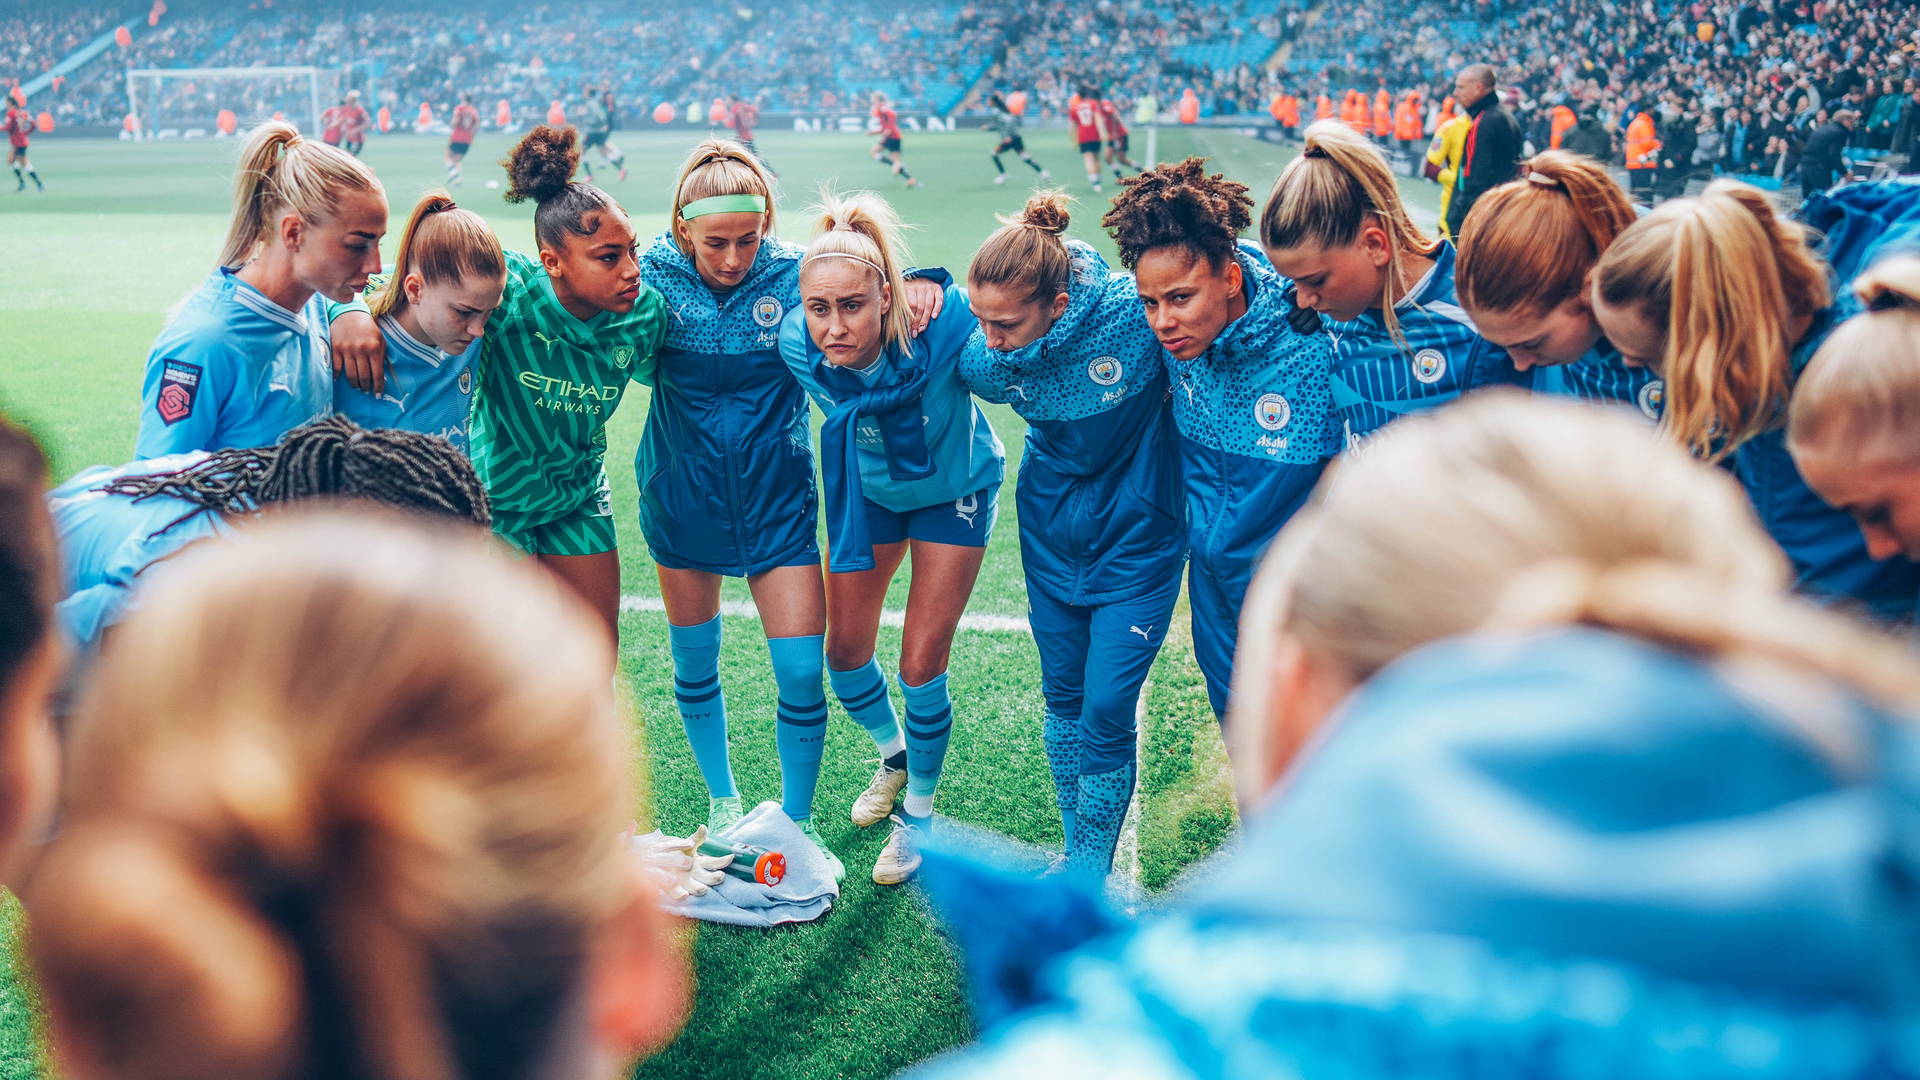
(542, 164)
(1047, 210)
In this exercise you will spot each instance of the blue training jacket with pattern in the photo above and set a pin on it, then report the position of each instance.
(1254, 414)
(1378, 378)
(1102, 514)
(726, 462)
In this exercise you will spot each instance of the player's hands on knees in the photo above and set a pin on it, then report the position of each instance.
(359, 352)
(924, 300)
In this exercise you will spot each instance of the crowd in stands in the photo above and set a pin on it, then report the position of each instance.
(925, 58)
(1734, 86)
(1729, 86)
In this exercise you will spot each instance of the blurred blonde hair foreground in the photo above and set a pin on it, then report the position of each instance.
(1510, 511)
(346, 799)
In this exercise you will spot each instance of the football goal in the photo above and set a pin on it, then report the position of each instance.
(199, 102)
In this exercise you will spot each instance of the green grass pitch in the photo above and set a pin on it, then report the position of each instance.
(125, 231)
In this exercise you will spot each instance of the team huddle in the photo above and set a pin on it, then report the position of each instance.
(1180, 408)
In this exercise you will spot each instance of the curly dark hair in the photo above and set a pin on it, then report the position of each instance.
(334, 458)
(1179, 204)
(541, 168)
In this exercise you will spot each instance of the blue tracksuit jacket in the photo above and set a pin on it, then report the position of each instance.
(917, 437)
(1253, 414)
(1860, 223)
(1598, 378)
(726, 464)
(1102, 513)
(1376, 379)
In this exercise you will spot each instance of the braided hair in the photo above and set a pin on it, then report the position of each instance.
(333, 457)
(1179, 205)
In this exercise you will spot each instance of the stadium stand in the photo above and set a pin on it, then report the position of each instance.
(1740, 83)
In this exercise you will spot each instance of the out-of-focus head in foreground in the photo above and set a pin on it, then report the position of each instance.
(347, 798)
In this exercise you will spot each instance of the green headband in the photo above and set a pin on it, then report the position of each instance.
(724, 204)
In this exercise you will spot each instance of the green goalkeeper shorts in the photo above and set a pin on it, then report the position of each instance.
(588, 530)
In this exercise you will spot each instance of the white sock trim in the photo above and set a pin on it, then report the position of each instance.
(895, 745)
(918, 805)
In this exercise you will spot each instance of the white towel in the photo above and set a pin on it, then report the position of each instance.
(805, 894)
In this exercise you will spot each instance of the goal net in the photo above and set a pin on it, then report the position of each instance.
(195, 102)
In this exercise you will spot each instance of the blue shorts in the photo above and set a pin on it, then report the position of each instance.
(964, 522)
(807, 555)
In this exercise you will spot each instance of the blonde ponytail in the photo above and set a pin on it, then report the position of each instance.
(1721, 277)
(1324, 197)
(443, 244)
(280, 170)
(864, 228)
(1511, 511)
(1677, 605)
(1860, 396)
(317, 822)
(719, 167)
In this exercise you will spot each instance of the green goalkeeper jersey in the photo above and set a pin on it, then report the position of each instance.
(547, 384)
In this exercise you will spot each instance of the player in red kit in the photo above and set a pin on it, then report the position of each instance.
(465, 122)
(887, 150)
(19, 133)
(1090, 131)
(353, 124)
(741, 116)
(1116, 140)
(330, 122)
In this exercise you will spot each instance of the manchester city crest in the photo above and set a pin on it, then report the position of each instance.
(1272, 412)
(1652, 398)
(1106, 371)
(766, 311)
(466, 382)
(1429, 365)
(622, 356)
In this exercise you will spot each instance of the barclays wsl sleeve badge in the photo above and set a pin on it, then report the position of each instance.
(179, 387)
(766, 311)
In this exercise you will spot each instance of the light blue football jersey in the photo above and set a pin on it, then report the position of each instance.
(107, 542)
(427, 390)
(234, 369)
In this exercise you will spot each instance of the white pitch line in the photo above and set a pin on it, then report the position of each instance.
(1129, 853)
(741, 609)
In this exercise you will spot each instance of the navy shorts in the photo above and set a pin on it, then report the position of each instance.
(1090, 147)
(1013, 143)
(964, 522)
(891, 146)
(1119, 145)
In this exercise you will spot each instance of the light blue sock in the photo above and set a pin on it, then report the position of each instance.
(929, 724)
(800, 730)
(1099, 813)
(703, 708)
(1062, 737)
(863, 693)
